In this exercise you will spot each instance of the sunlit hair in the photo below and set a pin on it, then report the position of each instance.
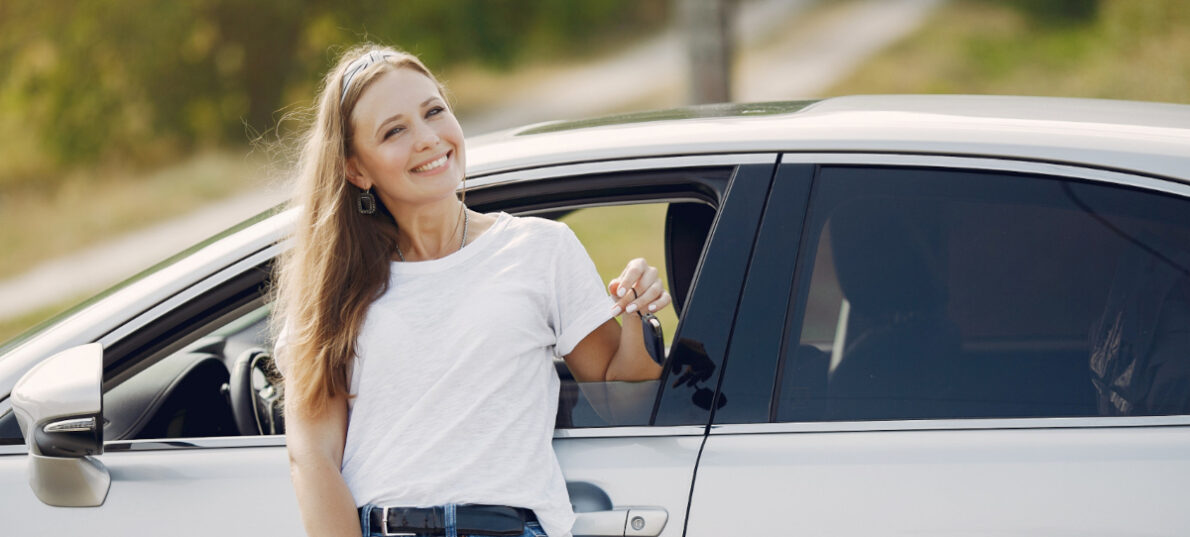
(338, 262)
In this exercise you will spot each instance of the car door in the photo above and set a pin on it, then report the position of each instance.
(176, 463)
(185, 470)
(629, 468)
(957, 346)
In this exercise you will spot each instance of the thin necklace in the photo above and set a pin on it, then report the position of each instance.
(462, 241)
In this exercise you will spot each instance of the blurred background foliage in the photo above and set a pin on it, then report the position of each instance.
(1053, 12)
(1107, 49)
(103, 88)
(134, 83)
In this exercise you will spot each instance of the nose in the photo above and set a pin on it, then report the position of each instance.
(427, 138)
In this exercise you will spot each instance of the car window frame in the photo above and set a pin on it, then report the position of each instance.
(757, 168)
(766, 421)
(138, 342)
(767, 290)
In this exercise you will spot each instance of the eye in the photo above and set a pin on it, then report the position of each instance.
(435, 111)
(393, 132)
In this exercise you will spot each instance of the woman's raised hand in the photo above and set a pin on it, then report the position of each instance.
(638, 288)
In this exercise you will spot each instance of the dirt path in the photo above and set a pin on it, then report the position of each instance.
(781, 55)
(650, 73)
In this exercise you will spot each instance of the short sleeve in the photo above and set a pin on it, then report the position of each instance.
(581, 303)
(282, 360)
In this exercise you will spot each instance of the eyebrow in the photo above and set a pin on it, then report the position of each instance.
(399, 116)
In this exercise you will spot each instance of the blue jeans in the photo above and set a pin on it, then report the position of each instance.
(532, 529)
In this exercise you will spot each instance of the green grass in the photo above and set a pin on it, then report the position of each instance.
(1135, 50)
(10, 328)
(39, 225)
(36, 225)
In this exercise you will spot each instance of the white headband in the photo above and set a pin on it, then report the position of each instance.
(357, 66)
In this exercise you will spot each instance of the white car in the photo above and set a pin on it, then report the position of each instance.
(900, 315)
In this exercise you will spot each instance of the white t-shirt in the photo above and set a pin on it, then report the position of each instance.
(454, 383)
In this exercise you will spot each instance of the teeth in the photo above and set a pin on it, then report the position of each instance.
(431, 165)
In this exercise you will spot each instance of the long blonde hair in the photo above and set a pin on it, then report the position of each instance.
(339, 260)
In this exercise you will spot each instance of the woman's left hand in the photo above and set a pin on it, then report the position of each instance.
(638, 288)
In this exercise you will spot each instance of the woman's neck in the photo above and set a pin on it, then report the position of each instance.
(430, 231)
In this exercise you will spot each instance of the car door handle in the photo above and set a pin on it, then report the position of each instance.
(622, 522)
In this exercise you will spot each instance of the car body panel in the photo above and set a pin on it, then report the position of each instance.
(180, 491)
(653, 471)
(170, 485)
(1037, 481)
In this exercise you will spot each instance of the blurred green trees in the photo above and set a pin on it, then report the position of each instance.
(134, 82)
(1054, 12)
(1107, 49)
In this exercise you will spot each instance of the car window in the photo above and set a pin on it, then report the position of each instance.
(952, 294)
(173, 378)
(187, 393)
(612, 235)
(10, 430)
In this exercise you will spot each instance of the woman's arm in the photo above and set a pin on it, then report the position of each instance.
(614, 352)
(315, 456)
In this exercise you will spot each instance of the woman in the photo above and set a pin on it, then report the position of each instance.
(419, 335)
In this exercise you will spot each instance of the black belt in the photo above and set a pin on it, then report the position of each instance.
(469, 520)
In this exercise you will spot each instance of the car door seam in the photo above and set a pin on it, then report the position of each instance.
(726, 355)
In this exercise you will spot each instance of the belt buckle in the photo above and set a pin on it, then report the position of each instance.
(384, 524)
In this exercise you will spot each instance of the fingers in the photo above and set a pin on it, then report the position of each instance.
(638, 289)
(632, 284)
(627, 279)
(645, 302)
(657, 305)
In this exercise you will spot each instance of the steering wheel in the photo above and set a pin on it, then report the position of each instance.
(255, 394)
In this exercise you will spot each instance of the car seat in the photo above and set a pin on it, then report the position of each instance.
(899, 357)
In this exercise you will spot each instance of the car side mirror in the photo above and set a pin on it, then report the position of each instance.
(59, 406)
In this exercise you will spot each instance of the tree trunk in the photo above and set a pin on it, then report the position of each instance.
(709, 47)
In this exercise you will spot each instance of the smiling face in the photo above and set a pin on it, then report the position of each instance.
(406, 142)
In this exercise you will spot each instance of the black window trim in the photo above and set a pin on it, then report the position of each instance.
(979, 163)
(141, 340)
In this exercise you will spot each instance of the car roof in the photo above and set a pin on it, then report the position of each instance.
(1138, 137)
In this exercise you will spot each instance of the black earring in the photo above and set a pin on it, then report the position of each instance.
(366, 203)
